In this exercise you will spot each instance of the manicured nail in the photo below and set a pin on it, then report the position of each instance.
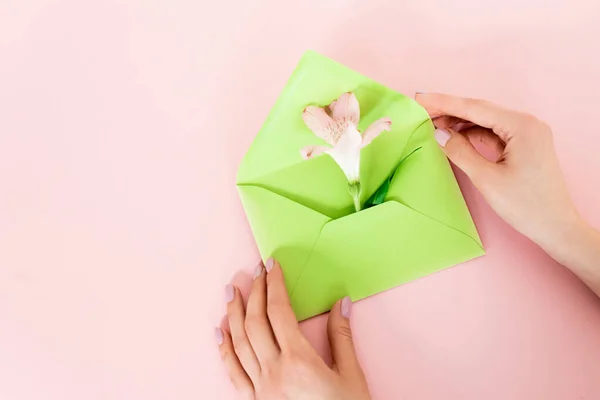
(442, 137)
(269, 264)
(219, 336)
(346, 307)
(258, 270)
(229, 293)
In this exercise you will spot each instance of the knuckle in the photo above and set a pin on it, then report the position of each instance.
(228, 356)
(544, 127)
(276, 309)
(225, 353)
(293, 359)
(344, 331)
(455, 151)
(254, 323)
(531, 120)
(301, 366)
(241, 346)
(533, 124)
(269, 370)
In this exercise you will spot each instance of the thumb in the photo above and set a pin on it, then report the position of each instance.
(462, 153)
(340, 339)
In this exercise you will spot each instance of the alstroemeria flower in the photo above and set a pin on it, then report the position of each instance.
(337, 124)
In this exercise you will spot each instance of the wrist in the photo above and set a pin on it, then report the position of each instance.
(559, 238)
(576, 245)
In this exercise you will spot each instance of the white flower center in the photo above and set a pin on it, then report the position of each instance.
(346, 152)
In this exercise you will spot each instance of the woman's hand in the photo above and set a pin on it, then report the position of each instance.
(525, 185)
(268, 358)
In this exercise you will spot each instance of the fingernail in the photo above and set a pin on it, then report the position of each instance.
(442, 137)
(269, 264)
(346, 307)
(258, 270)
(219, 336)
(229, 293)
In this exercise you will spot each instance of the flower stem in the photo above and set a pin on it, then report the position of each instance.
(355, 190)
(357, 203)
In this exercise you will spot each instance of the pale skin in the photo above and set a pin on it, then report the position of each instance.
(266, 355)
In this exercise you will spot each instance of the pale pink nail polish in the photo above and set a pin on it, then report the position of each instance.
(442, 137)
(346, 307)
(269, 264)
(229, 293)
(219, 336)
(258, 270)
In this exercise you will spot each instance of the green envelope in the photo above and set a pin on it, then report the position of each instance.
(301, 213)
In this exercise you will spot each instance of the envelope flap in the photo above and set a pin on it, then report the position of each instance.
(282, 228)
(425, 183)
(375, 250)
(274, 160)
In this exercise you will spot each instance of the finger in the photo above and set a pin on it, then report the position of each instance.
(488, 138)
(446, 121)
(340, 340)
(462, 153)
(279, 310)
(234, 368)
(258, 327)
(502, 121)
(474, 133)
(241, 344)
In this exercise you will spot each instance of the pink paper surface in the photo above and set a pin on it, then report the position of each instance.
(121, 127)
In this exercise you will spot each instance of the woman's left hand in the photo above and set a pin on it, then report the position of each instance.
(268, 358)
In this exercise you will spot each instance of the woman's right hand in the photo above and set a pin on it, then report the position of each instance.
(525, 185)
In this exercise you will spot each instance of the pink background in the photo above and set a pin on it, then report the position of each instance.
(121, 127)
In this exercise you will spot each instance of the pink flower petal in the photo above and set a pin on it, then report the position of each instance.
(332, 106)
(383, 124)
(346, 109)
(313, 151)
(319, 122)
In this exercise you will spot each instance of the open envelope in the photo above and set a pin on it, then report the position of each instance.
(301, 213)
